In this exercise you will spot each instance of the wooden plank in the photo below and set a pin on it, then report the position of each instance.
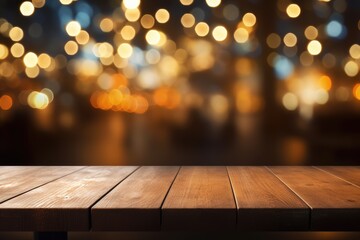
(265, 203)
(200, 198)
(335, 203)
(351, 174)
(17, 180)
(61, 205)
(135, 203)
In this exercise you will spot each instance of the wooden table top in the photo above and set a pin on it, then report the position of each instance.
(150, 198)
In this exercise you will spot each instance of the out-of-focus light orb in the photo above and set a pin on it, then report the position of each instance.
(306, 59)
(241, 35)
(17, 50)
(132, 15)
(329, 60)
(66, 2)
(71, 48)
(283, 67)
(38, 3)
(186, 2)
(105, 50)
(153, 37)
(356, 91)
(73, 28)
(351, 68)
(44, 61)
(314, 47)
(131, 4)
(153, 56)
(125, 50)
(354, 51)
(342, 94)
(128, 32)
(106, 25)
(293, 10)
(32, 72)
(322, 96)
(48, 93)
(162, 15)
(231, 12)
(30, 60)
(219, 104)
(219, 33)
(83, 37)
(6, 102)
(249, 19)
(325, 82)
(105, 81)
(147, 21)
(38, 100)
(334, 29)
(202, 29)
(4, 51)
(311, 32)
(290, 40)
(188, 20)
(27, 8)
(16, 34)
(213, 3)
(273, 40)
(290, 101)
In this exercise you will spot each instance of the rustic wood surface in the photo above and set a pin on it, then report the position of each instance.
(200, 198)
(335, 203)
(135, 203)
(61, 199)
(265, 203)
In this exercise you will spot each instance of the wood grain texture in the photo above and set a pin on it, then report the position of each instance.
(17, 180)
(135, 203)
(351, 174)
(61, 205)
(200, 198)
(265, 203)
(335, 203)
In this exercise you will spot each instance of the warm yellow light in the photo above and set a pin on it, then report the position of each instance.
(290, 40)
(30, 60)
(82, 38)
(273, 40)
(38, 3)
(66, 2)
(325, 82)
(71, 48)
(188, 20)
(4, 51)
(44, 60)
(293, 10)
(153, 37)
(314, 47)
(32, 72)
(17, 50)
(131, 4)
(132, 15)
(16, 34)
(27, 8)
(147, 21)
(202, 29)
(219, 33)
(213, 3)
(241, 35)
(105, 50)
(356, 91)
(128, 32)
(351, 68)
(162, 15)
(125, 50)
(249, 19)
(354, 51)
(290, 101)
(38, 100)
(311, 32)
(106, 25)
(186, 2)
(73, 28)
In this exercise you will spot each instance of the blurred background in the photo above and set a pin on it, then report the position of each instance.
(180, 82)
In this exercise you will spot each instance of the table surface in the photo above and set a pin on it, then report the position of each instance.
(154, 198)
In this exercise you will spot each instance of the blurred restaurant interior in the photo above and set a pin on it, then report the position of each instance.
(180, 82)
